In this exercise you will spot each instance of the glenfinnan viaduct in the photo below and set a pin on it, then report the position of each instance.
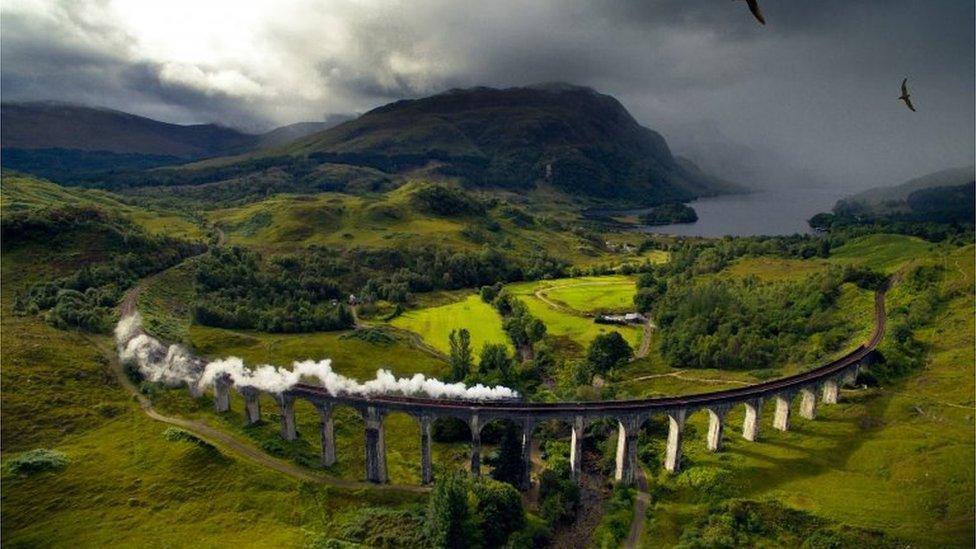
(820, 384)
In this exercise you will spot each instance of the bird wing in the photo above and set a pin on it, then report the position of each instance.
(909, 103)
(904, 88)
(754, 8)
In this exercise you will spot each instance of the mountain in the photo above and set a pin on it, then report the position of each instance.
(291, 132)
(65, 141)
(879, 196)
(572, 138)
(947, 196)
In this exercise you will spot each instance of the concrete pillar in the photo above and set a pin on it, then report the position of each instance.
(375, 446)
(716, 424)
(850, 378)
(475, 446)
(221, 389)
(525, 481)
(781, 420)
(252, 405)
(750, 426)
(328, 435)
(808, 403)
(287, 404)
(627, 450)
(426, 466)
(672, 454)
(831, 391)
(576, 449)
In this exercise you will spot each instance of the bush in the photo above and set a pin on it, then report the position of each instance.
(174, 434)
(499, 509)
(618, 514)
(38, 460)
(384, 527)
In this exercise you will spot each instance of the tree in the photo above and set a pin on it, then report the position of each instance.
(461, 354)
(608, 351)
(449, 519)
(499, 508)
(495, 365)
(507, 463)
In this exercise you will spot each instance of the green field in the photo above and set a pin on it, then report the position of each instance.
(591, 293)
(434, 324)
(570, 326)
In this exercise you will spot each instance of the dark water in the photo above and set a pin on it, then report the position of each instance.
(774, 212)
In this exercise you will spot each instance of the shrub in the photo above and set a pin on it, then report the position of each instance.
(175, 434)
(38, 460)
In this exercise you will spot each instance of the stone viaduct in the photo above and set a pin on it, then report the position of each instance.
(819, 385)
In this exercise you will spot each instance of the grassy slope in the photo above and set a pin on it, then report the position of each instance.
(592, 293)
(434, 324)
(388, 220)
(570, 326)
(20, 193)
(138, 488)
(897, 459)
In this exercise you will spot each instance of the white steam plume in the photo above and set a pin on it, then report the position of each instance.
(174, 365)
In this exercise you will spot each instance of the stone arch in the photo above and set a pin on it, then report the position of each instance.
(343, 425)
(404, 447)
(494, 431)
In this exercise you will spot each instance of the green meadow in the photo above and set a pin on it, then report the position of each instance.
(569, 326)
(591, 293)
(434, 324)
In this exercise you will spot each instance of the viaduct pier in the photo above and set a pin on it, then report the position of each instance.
(814, 387)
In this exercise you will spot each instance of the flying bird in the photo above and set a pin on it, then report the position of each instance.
(904, 95)
(754, 8)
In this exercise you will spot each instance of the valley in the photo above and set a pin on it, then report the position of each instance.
(441, 323)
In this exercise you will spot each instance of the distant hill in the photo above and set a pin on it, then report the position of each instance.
(571, 138)
(65, 141)
(943, 197)
(291, 132)
(893, 195)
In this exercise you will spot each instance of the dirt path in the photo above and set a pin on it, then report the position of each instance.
(641, 502)
(645, 344)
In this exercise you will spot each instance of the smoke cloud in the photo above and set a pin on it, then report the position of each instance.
(174, 365)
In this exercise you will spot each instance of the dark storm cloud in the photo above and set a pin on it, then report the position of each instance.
(810, 96)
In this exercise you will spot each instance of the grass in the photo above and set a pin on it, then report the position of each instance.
(288, 221)
(124, 483)
(570, 326)
(775, 269)
(883, 252)
(25, 193)
(434, 324)
(592, 293)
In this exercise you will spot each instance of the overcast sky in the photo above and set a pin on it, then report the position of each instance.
(810, 96)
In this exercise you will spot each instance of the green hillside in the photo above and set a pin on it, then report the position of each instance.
(572, 138)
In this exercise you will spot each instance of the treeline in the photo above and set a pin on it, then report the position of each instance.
(935, 214)
(121, 254)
